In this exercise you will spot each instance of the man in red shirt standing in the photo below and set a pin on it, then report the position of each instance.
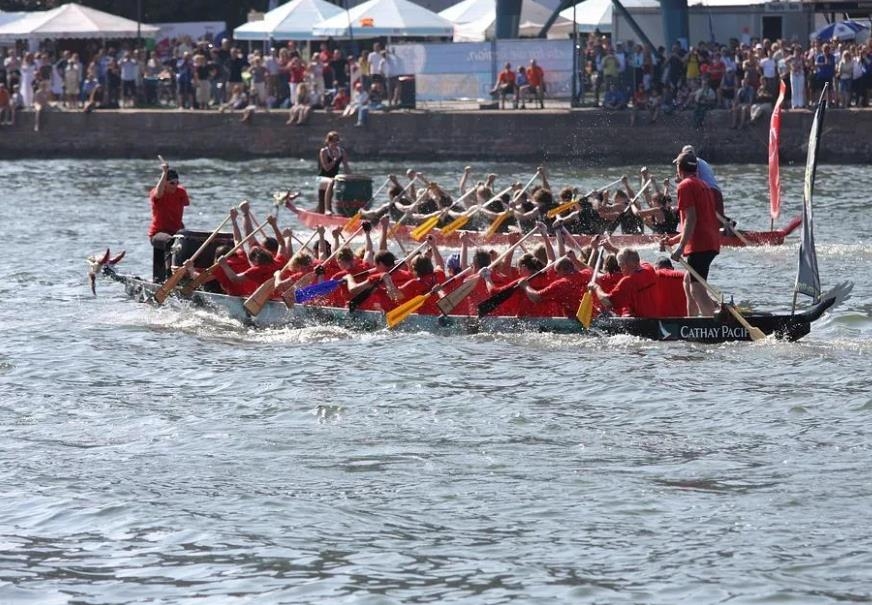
(699, 238)
(168, 201)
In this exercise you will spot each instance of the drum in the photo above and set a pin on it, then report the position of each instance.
(351, 193)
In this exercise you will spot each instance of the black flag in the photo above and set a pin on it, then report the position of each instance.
(808, 281)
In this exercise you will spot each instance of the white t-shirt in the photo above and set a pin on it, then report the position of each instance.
(768, 67)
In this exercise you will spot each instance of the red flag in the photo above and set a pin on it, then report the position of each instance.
(774, 175)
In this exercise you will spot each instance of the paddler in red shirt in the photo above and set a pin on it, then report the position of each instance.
(565, 291)
(378, 299)
(426, 276)
(636, 294)
(700, 238)
(670, 290)
(168, 200)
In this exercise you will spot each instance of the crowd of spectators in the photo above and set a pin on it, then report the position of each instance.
(743, 78)
(203, 76)
(740, 77)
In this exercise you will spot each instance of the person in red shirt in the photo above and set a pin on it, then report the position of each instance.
(636, 293)
(245, 283)
(425, 278)
(168, 201)
(536, 80)
(378, 299)
(672, 300)
(699, 238)
(565, 291)
(505, 85)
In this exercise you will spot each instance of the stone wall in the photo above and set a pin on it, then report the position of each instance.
(588, 136)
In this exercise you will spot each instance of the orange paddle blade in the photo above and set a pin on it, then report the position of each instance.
(421, 231)
(352, 223)
(585, 310)
(456, 224)
(560, 209)
(496, 224)
(399, 314)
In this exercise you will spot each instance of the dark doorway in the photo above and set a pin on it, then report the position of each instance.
(772, 28)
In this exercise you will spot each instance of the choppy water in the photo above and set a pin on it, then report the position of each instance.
(170, 456)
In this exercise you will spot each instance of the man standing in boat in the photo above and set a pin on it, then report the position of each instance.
(700, 238)
(707, 175)
(330, 159)
(168, 200)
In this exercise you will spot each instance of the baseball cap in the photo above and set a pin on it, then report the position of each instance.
(686, 161)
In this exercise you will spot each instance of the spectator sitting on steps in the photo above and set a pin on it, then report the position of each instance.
(614, 98)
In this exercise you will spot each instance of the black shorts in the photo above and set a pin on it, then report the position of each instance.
(700, 261)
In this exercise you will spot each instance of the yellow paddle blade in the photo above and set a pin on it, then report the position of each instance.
(560, 209)
(496, 224)
(399, 314)
(421, 231)
(585, 310)
(352, 223)
(456, 224)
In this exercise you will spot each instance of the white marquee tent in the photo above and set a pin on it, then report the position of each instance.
(475, 20)
(590, 15)
(74, 21)
(291, 21)
(390, 18)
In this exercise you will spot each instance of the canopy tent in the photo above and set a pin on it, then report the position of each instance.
(291, 21)
(74, 21)
(590, 15)
(10, 17)
(841, 30)
(390, 18)
(475, 20)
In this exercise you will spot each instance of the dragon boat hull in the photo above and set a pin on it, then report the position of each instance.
(692, 329)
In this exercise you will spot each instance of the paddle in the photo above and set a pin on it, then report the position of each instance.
(206, 275)
(163, 292)
(585, 308)
(567, 205)
(422, 230)
(736, 232)
(489, 304)
(461, 220)
(754, 332)
(361, 296)
(499, 220)
(255, 303)
(447, 303)
(407, 213)
(354, 222)
(399, 314)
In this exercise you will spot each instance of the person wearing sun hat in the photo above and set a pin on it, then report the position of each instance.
(699, 239)
(168, 200)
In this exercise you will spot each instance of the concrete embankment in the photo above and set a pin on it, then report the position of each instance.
(589, 136)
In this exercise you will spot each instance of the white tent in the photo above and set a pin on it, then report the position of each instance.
(10, 17)
(291, 21)
(390, 18)
(74, 21)
(475, 20)
(590, 15)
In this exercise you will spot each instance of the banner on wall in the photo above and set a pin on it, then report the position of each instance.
(467, 70)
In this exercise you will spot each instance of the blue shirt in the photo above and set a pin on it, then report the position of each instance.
(706, 174)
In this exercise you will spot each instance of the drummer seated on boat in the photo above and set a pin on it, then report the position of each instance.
(635, 295)
(168, 201)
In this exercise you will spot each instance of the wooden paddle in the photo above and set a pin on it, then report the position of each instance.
(447, 303)
(737, 233)
(399, 314)
(163, 292)
(585, 308)
(255, 303)
(567, 205)
(461, 220)
(489, 304)
(361, 296)
(753, 332)
(206, 275)
(499, 220)
(422, 230)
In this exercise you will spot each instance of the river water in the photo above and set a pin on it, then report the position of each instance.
(166, 455)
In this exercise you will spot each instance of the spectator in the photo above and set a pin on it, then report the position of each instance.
(742, 107)
(640, 102)
(185, 81)
(340, 100)
(505, 85)
(614, 98)
(113, 83)
(704, 99)
(824, 70)
(28, 77)
(763, 104)
(611, 69)
(129, 68)
(845, 76)
(299, 113)
(258, 81)
(6, 113)
(522, 88)
(727, 89)
(796, 69)
(536, 78)
(235, 66)
(202, 85)
(72, 81)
